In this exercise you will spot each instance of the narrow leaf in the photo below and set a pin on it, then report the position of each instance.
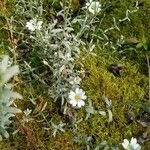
(4, 64)
(10, 72)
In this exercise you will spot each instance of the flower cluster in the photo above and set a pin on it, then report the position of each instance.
(33, 25)
(132, 145)
(93, 7)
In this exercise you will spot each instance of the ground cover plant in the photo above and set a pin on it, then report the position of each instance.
(82, 70)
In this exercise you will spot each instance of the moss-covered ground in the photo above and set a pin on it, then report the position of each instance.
(128, 90)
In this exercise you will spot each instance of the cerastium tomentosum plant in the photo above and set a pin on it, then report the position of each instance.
(59, 47)
(7, 96)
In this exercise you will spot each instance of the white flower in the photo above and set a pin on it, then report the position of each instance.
(30, 25)
(33, 25)
(77, 97)
(132, 145)
(75, 80)
(94, 7)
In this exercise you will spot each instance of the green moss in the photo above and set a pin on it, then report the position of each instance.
(123, 91)
(7, 11)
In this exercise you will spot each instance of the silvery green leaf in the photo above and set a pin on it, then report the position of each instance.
(67, 44)
(110, 115)
(54, 46)
(114, 148)
(78, 20)
(87, 116)
(8, 86)
(55, 31)
(43, 108)
(91, 110)
(15, 132)
(3, 132)
(4, 64)
(54, 132)
(69, 29)
(5, 119)
(9, 73)
(16, 95)
(86, 139)
(53, 24)
(103, 144)
(103, 113)
(107, 101)
(87, 147)
(76, 138)
(7, 94)
(97, 148)
(11, 109)
(62, 68)
(115, 24)
(62, 100)
(106, 147)
(80, 120)
(61, 55)
(58, 127)
(62, 130)
(61, 13)
(53, 125)
(6, 135)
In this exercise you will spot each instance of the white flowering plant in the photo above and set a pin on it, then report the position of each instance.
(59, 48)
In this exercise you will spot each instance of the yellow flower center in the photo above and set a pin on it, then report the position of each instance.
(77, 97)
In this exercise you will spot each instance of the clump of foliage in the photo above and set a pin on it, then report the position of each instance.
(7, 96)
(57, 45)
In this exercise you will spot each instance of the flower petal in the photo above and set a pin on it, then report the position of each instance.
(133, 141)
(74, 103)
(82, 103)
(71, 95)
(84, 97)
(79, 105)
(125, 143)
